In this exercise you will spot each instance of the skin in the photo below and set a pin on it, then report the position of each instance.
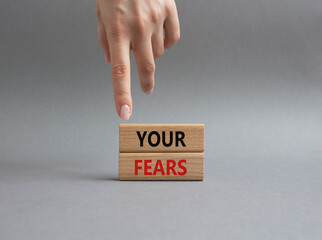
(145, 27)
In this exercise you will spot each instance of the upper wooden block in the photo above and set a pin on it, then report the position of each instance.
(161, 138)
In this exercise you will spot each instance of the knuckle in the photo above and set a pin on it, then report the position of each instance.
(140, 25)
(169, 6)
(158, 53)
(171, 40)
(116, 34)
(156, 16)
(119, 70)
(174, 37)
(117, 30)
(116, 25)
(148, 68)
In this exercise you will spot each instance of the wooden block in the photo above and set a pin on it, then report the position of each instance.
(150, 138)
(161, 166)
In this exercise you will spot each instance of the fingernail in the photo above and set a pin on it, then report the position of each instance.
(125, 112)
(149, 91)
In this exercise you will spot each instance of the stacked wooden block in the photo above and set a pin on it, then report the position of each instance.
(161, 152)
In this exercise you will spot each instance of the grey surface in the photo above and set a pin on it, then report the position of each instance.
(250, 70)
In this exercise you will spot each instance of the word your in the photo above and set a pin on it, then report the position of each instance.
(179, 136)
(159, 168)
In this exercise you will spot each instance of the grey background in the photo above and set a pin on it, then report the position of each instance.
(250, 70)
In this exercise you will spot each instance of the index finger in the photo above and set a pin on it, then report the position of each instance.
(120, 71)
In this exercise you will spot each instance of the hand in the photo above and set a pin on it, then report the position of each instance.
(125, 25)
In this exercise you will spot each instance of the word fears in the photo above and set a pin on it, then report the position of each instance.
(161, 166)
(158, 169)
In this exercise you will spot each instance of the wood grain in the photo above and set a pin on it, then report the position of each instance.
(129, 141)
(194, 166)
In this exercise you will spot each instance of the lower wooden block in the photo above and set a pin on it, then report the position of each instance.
(161, 166)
